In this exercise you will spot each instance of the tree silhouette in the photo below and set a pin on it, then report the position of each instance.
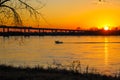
(10, 9)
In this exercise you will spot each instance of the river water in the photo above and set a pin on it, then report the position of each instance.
(100, 52)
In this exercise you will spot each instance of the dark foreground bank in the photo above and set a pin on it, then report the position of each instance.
(40, 73)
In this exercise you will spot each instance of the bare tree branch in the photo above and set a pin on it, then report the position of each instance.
(2, 2)
(17, 18)
(12, 6)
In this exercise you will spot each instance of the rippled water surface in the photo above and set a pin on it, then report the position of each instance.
(100, 52)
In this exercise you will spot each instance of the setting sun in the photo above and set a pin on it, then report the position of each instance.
(106, 28)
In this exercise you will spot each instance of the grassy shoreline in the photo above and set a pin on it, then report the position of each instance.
(49, 73)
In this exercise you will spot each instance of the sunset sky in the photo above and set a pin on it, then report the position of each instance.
(80, 13)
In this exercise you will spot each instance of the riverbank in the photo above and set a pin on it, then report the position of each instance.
(49, 73)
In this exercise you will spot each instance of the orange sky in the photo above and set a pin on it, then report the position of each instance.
(77, 13)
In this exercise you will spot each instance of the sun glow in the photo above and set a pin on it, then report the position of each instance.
(106, 28)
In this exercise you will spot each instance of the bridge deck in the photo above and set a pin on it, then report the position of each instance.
(14, 30)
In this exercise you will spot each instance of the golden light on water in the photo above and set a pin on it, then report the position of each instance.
(106, 51)
(106, 57)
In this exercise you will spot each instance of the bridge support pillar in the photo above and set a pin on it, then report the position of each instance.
(28, 30)
(3, 29)
(7, 29)
(24, 30)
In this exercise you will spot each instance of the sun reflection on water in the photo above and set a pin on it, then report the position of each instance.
(106, 51)
(106, 57)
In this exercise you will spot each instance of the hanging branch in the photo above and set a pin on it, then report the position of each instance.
(17, 19)
(3, 2)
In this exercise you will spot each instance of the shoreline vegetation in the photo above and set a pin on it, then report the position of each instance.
(53, 72)
(32, 31)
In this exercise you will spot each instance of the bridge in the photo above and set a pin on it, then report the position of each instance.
(14, 30)
(29, 31)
